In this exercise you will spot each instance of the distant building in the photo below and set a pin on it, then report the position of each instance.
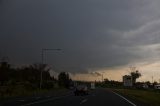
(157, 86)
(145, 86)
(127, 81)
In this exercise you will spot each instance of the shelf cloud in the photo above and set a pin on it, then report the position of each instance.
(94, 34)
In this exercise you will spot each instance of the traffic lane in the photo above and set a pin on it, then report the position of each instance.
(70, 100)
(32, 99)
(62, 101)
(29, 100)
(18, 101)
(98, 97)
(106, 97)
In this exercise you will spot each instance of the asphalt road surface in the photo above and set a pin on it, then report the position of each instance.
(97, 97)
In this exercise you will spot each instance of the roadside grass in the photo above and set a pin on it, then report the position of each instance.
(149, 97)
(7, 92)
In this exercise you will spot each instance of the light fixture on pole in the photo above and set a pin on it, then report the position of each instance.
(43, 51)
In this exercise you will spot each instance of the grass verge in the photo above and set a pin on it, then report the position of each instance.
(21, 91)
(149, 97)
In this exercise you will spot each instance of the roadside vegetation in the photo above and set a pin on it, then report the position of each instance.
(149, 97)
(26, 80)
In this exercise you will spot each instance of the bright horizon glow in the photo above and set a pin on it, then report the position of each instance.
(147, 71)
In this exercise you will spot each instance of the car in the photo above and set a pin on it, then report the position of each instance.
(81, 90)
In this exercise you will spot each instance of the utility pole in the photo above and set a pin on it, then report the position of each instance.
(152, 79)
(42, 60)
(102, 77)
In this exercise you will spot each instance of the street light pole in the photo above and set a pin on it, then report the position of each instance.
(102, 78)
(42, 59)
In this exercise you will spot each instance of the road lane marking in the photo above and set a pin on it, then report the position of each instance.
(37, 97)
(125, 99)
(93, 95)
(48, 96)
(46, 100)
(83, 101)
(21, 100)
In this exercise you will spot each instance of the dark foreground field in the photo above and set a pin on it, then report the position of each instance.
(148, 97)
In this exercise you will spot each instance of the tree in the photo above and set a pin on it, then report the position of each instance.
(32, 73)
(4, 72)
(64, 80)
(106, 81)
(135, 74)
(148, 83)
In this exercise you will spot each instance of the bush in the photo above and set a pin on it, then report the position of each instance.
(48, 85)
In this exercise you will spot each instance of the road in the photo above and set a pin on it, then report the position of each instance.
(97, 97)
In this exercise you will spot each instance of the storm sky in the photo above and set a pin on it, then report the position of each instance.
(93, 34)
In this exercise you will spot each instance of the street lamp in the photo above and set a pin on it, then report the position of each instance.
(102, 76)
(43, 51)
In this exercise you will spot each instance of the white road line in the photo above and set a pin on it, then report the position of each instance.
(37, 97)
(42, 101)
(125, 99)
(93, 95)
(83, 101)
(21, 100)
(48, 96)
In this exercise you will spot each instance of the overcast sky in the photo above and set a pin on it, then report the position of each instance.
(94, 34)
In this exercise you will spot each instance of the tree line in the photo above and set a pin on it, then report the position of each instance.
(30, 76)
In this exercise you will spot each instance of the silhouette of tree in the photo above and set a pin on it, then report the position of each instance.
(63, 79)
(148, 82)
(27, 76)
(4, 72)
(106, 80)
(135, 74)
(155, 83)
(32, 73)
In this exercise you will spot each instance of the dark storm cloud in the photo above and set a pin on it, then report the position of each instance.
(93, 34)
